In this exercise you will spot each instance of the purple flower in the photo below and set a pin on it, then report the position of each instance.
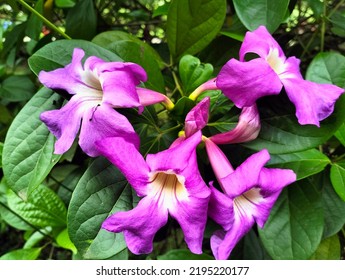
(96, 88)
(245, 81)
(248, 195)
(169, 182)
(247, 129)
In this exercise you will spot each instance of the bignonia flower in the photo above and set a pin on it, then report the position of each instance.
(247, 128)
(96, 88)
(169, 183)
(245, 81)
(248, 195)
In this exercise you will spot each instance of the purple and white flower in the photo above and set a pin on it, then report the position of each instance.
(247, 197)
(96, 88)
(243, 82)
(169, 183)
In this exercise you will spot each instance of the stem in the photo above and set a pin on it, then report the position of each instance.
(46, 21)
(177, 83)
(323, 26)
(335, 8)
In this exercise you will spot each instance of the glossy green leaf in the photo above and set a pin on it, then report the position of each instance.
(28, 149)
(327, 68)
(17, 88)
(132, 49)
(281, 133)
(334, 207)
(22, 254)
(65, 3)
(193, 24)
(295, 226)
(64, 241)
(59, 53)
(338, 178)
(183, 254)
(329, 249)
(81, 20)
(340, 134)
(43, 208)
(193, 73)
(101, 191)
(304, 163)
(269, 13)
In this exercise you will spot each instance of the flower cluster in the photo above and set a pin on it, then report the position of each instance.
(169, 182)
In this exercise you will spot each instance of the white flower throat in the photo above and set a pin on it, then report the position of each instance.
(167, 188)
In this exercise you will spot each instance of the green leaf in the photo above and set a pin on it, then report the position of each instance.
(334, 207)
(193, 24)
(340, 134)
(22, 254)
(59, 53)
(100, 192)
(28, 149)
(329, 249)
(281, 133)
(304, 164)
(64, 241)
(36, 237)
(269, 13)
(43, 208)
(193, 73)
(132, 49)
(17, 88)
(183, 254)
(34, 26)
(81, 20)
(65, 3)
(295, 225)
(161, 10)
(338, 178)
(181, 108)
(1, 148)
(327, 68)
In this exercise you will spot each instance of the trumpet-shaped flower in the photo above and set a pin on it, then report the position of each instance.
(247, 129)
(96, 88)
(245, 81)
(169, 183)
(248, 195)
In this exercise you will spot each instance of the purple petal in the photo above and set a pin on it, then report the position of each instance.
(219, 162)
(68, 78)
(222, 243)
(139, 225)
(314, 102)
(197, 118)
(247, 129)
(65, 122)
(176, 158)
(246, 176)
(220, 209)
(261, 42)
(126, 157)
(192, 214)
(119, 89)
(245, 82)
(101, 122)
(149, 97)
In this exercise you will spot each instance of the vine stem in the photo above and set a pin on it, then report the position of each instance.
(323, 26)
(46, 21)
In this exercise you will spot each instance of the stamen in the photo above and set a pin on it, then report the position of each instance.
(94, 111)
